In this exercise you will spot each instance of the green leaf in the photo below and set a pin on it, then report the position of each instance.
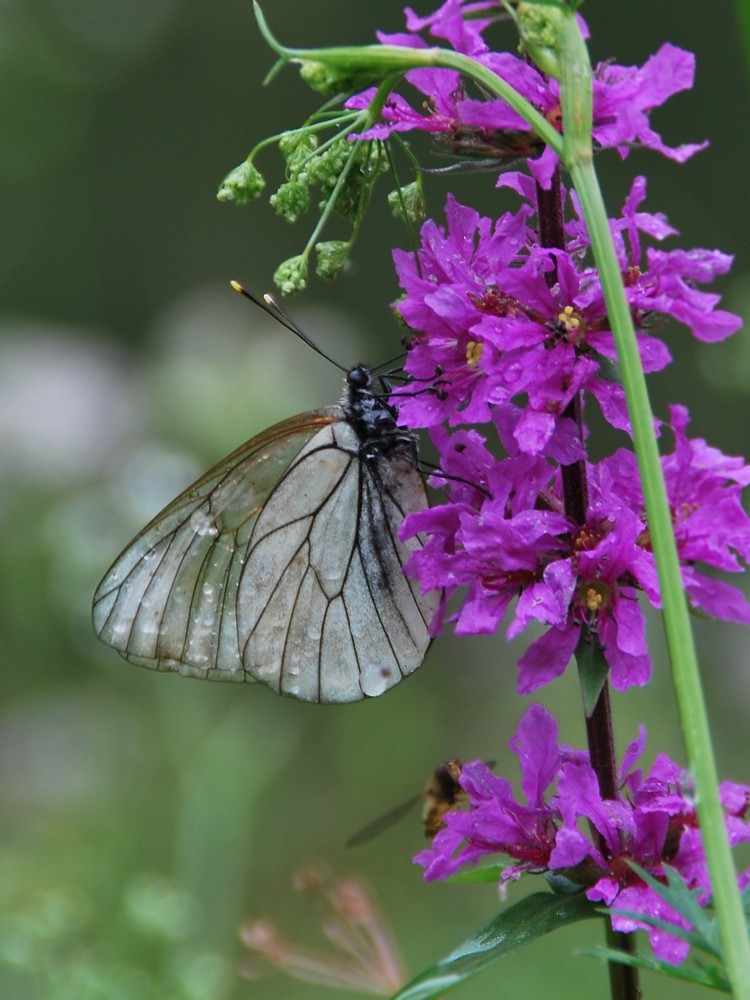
(700, 975)
(683, 900)
(480, 874)
(609, 370)
(523, 923)
(593, 669)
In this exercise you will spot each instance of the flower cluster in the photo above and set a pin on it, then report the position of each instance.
(489, 128)
(511, 355)
(510, 331)
(562, 825)
(514, 350)
(500, 316)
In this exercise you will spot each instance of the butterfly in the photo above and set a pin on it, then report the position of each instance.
(283, 564)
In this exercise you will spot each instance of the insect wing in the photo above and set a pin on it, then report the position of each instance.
(384, 822)
(441, 793)
(325, 612)
(169, 600)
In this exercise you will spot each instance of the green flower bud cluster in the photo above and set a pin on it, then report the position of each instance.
(359, 161)
(332, 258)
(296, 148)
(291, 200)
(242, 184)
(329, 80)
(318, 155)
(290, 276)
(540, 27)
(353, 193)
(408, 204)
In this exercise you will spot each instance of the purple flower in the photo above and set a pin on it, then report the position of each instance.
(652, 822)
(623, 96)
(448, 23)
(502, 318)
(508, 542)
(705, 493)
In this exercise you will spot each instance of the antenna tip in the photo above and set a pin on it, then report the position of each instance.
(237, 286)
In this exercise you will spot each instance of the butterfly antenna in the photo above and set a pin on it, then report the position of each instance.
(390, 361)
(271, 306)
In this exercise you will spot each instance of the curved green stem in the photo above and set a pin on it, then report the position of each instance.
(386, 59)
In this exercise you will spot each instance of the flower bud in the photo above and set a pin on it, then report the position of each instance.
(296, 147)
(241, 185)
(324, 168)
(290, 276)
(407, 203)
(540, 27)
(330, 80)
(291, 200)
(332, 258)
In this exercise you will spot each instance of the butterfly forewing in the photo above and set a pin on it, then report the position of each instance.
(168, 601)
(283, 565)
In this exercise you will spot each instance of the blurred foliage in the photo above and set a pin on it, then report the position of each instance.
(144, 816)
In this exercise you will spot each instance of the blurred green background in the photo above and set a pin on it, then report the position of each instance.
(144, 816)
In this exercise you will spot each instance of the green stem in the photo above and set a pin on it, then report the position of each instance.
(684, 661)
(364, 121)
(412, 234)
(328, 207)
(383, 59)
(578, 158)
(345, 119)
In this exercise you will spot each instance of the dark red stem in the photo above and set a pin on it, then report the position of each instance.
(623, 979)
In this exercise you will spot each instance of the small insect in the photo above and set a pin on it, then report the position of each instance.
(282, 564)
(441, 794)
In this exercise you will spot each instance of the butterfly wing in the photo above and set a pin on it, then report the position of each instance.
(169, 600)
(282, 564)
(324, 610)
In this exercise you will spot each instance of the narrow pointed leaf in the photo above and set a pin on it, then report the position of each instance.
(703, 975)
(593, 670)
(519, 925)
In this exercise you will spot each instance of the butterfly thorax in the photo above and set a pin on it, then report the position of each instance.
(374, 419)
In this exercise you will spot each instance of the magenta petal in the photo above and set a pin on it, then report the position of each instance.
(546, 658)
(535, 744)
(571, 847)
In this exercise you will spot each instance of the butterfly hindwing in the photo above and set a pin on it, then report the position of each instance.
(326, 561)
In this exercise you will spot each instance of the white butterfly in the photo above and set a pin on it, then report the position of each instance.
(283, 563)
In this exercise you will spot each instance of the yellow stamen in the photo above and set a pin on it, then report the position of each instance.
(473, 352)
(593, 600)
(568, 319)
